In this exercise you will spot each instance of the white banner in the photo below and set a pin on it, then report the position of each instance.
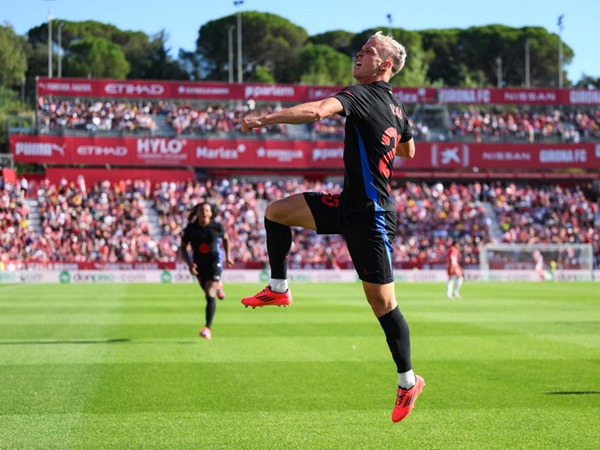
(262, 276)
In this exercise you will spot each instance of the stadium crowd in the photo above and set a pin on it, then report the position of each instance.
(217, 119)
(518, 124)
(526, 126)
(95, 116)
(107, 222)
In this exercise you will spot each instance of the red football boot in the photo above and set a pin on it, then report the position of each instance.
(267, 297)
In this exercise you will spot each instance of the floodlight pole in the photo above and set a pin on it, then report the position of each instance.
(239, 39)
(499, 71)
(560, 51)
(230, 51)
(60, 50)
(49, 37)
(527, 65)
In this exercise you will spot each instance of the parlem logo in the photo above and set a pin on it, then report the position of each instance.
(165, 277)
(264, 276)
(64, 277)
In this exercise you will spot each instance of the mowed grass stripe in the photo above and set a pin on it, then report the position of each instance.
(509, 366)
(181, 387)
(530, 429)
(269, 348)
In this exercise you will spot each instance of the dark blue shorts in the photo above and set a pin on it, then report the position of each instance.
(368, 235)
(208, 271)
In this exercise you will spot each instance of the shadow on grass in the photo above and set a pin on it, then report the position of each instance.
(90, 341)
(574, 393)
(104, 341)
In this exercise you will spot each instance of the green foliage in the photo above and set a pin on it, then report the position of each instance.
(96, 57)
(262, 74)
(13, 60)
(273, 48)
(148, 57)
(13, 113)
(268, 40)
(339, 40)
(321, 65)
(159, 65)
(588, 82)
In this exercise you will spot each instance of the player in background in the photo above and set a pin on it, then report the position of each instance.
(552, 271)
(207, 239)
(376, 130)
(454, 270)
(538, 258)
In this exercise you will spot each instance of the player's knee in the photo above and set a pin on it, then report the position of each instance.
(287, 211)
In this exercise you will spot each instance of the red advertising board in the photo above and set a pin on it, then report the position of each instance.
(294, 93)
(294, 155)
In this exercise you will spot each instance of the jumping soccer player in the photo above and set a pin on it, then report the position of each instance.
(376, 131)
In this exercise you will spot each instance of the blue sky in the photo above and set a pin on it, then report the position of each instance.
(182, 19)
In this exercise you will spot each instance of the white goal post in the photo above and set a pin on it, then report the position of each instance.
(536, 262)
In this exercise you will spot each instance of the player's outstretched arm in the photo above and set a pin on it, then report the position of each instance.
(303, 113)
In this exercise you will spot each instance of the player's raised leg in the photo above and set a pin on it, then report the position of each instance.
(280, 216)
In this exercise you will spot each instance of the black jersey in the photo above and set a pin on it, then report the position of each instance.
(205, 241)
(376, 123)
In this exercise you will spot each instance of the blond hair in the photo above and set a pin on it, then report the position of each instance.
(392, 50)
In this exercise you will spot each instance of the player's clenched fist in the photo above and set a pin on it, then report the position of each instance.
(250, 122)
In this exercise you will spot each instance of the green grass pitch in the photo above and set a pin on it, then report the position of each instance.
(509, 366)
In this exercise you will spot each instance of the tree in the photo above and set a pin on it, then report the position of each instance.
(191, 63)
(339, 40)
(322, 65)
(588, 82)
(13, 59)
(148, 57)
(268, 40)
(445, 53)
(96, 57)
(262, 74)
(160, 64)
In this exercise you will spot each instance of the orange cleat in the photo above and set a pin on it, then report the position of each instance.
(220, 291)
(405, 400)
(206, 333)
(267, 297)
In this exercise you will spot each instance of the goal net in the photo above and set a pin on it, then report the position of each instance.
(536, 262)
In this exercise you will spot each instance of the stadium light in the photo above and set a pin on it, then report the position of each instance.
(389, 18)
(560, 51)
(49, 37)
(239, 38)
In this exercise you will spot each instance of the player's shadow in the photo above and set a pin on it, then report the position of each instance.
(574, 393)
(101, 341)
(90, 341)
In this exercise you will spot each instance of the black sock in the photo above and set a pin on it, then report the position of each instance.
(279, 244)
(211, 307)
(397, 336)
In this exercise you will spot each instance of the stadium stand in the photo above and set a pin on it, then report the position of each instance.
(106, 222)
(188, 148)
(482, 124)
